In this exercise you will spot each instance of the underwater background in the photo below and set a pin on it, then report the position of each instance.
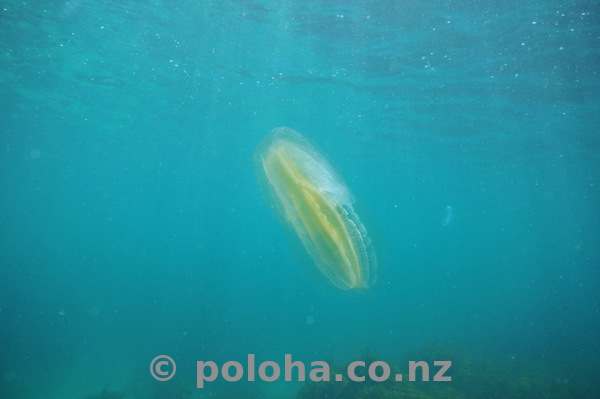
(132, 224)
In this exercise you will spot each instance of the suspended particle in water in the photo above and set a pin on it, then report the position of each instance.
(34, 153)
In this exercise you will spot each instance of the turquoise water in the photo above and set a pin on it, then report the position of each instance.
(132, 224)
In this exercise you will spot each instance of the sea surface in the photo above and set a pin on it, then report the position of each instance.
(132, 224)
